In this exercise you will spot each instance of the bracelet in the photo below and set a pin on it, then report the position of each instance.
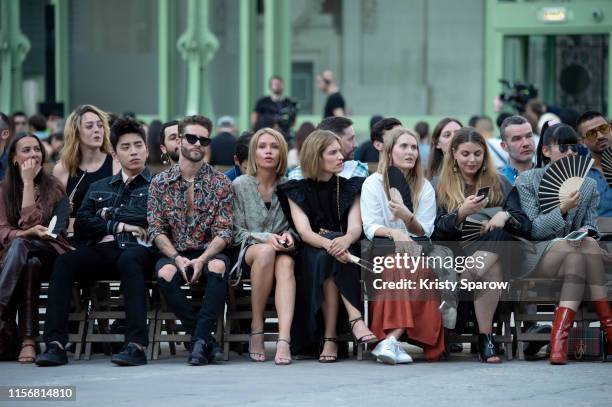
(411, 219)
(173, 257)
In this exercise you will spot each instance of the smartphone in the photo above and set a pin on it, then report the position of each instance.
(577, 235)
(189, 273)
(284, 243)
(484, 192)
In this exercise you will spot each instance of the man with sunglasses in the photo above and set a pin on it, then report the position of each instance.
(190, 219)
(596, 134)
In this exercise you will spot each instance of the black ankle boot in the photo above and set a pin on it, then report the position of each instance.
(486, 349)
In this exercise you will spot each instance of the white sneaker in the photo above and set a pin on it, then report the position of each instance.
(401, 356)
(387, 353)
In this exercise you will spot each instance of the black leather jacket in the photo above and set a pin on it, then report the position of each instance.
(519, 225)
(127, 204)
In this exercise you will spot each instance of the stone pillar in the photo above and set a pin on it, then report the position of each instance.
(197, 47)
(14, 46)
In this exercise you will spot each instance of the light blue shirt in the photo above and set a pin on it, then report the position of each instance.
(605, 193)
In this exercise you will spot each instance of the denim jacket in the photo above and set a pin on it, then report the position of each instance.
(124, 203)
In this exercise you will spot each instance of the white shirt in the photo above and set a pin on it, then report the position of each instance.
(375, 212)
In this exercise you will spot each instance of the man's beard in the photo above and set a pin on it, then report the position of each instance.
(187, 154)
(173, 155)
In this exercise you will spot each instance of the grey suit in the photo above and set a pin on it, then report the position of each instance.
(548, 226)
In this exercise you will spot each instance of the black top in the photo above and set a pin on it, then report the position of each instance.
(319, 201)
(222, 148)
(268, 205)
(334, 101)
(106, 170)
(367, 153)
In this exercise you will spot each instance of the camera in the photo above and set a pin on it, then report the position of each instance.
(517, 94)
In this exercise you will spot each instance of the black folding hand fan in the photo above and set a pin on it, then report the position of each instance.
(606, 165)
(397, 181)
(562, 178)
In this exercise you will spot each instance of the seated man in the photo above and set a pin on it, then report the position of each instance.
(343, 128)
(112, 219)
(596, 134)
(190, 219)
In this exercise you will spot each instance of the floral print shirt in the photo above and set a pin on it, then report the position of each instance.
(212, 212)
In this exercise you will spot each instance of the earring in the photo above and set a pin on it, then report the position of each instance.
(455, 167)
(164, 158)
(484, 168)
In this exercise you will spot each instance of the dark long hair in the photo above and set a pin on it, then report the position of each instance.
(12, 186)
(436, 156)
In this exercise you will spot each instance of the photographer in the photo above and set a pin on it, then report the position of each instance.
(276, 108)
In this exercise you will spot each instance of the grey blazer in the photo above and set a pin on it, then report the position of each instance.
(552, 224)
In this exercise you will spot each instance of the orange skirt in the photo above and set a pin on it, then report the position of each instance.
(413, 309)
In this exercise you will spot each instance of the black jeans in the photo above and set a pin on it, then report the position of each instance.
(199, 325)
(98, 262)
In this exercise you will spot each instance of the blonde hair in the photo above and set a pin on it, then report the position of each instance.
(281, 167)
(311, 154)
(71, 153)
(415, 177)
(451, 186)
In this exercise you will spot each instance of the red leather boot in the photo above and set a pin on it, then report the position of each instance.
(602, 308)
(558, 336)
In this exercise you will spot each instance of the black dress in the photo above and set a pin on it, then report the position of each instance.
(328, 215)
(106, 170)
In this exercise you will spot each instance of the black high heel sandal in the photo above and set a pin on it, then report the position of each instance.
(282, 361)
(251, 354)
(486, 349)
(328, 358)
(360, 340)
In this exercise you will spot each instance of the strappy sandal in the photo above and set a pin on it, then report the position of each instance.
(282, 361)
(361, 340)
(251, 354)
(27, 359)
(328, 358)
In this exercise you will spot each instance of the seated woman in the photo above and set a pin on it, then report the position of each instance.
(325, 211)
(86, 155)
(392, 318)
(266, 240)
(467, 168)
(577, 263)
(440, 140)
(27, 198)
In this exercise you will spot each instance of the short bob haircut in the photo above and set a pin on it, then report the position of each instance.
(281, 167)
(311, 154)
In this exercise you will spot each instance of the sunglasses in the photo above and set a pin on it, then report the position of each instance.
(564, 148)
(592, 134)
(192, 139)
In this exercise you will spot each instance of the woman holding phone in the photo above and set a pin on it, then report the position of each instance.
(413, 314)
(266, 241)
(578, 262)
(467, 185)
(27, 198)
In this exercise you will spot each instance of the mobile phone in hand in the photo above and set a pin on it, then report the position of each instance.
(483, 192)
(189, 273)
(284, 243)
(576, 235)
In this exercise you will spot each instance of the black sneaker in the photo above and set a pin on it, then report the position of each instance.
(54, 355)
(200, 351)
(131, 355)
